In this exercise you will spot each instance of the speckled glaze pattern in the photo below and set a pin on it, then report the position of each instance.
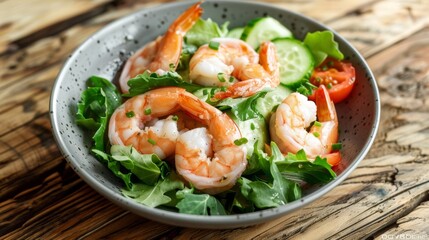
(104, 53)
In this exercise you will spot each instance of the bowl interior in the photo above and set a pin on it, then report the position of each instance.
(104, 53)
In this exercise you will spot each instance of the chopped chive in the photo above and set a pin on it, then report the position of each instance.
(214, 45)
(317, 124)
(172, 67)
(329, 86)
(231, 79)
(240, 141)
(318, 79)
(205, 91)
(221, 77)
(151, 141)
(147, 111)
(325, 68)
(316, 134)
(252, 126)
(337, 146)
(175, 118)
(130, 114)
(223, 89)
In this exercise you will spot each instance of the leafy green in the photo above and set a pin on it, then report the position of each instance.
(322, 45)
(273, 191)
(115, 167)
(200, 204)
(259, 193)
(147, 81)
(187, 52)
(154, 196)
(95, 107)
(242, 108)
(146, 167)
(298, 168)
(306, 88)
(205, 30)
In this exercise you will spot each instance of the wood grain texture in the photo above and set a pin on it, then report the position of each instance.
(387, 195)
(34, 19)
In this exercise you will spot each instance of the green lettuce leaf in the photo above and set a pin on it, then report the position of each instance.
(200, 204)
(322, 45)
(242, 108)
(146, 167)
(259, 193)
(95, 107)
(115, 167)
(205, 30)
(298, 168)
(275, 189)
(147, 81)
(156, 195)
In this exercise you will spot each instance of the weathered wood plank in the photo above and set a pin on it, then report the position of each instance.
(415, 225)
(377, 26)
(25, 21)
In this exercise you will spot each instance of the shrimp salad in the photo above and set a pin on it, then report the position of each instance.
(209, 120)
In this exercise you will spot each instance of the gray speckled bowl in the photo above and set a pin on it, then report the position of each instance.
(104, 53)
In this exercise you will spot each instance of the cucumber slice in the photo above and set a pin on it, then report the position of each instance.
(259, 30)
(295, 60)
(253, 130)
(265, 105)
(235, 33)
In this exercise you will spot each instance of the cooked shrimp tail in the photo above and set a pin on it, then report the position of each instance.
(327, 116)
(164, 52)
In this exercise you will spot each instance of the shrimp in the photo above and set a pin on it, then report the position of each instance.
(207, 157)
(295, 114)
(162, 53)
(136, 122)
(235, 60)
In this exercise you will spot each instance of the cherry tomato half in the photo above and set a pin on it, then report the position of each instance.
(338, 77)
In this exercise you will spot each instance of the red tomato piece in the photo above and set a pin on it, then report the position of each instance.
(338, 77)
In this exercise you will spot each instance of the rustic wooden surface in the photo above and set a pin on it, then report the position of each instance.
(386, 197)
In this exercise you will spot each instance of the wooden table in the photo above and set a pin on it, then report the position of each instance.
(386, 197)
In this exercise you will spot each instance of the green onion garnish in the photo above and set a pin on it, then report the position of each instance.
(316, 134)
(175, 118)
(317, 124)
(240, 141)
(130, 114)
(147, 111)
(151, 141)
(337, 146)
(221, 77)
(329, 86)
(252, 126)
(172, 67)
(214, 45)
